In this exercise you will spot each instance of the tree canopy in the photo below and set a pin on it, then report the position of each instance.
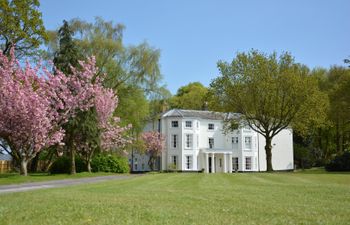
(272, 93)
(21, 27)
(190, 96)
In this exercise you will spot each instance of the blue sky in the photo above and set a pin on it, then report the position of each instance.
(193, 35)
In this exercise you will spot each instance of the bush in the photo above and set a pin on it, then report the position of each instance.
(302, 157)
(62, 165)
(340, 163)
(109, 163)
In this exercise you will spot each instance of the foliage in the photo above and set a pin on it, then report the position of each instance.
(62, 165)
(271, 94)
(109, 163)
(191, 96)
(67, 55)
(21, 27)
(302, 157)
(34, 106)
(340, 163)
(154, 145)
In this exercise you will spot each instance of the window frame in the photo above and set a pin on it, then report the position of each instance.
(188, 162)
(188, 140)
(209, 126)
(213, 144)
(250, 164)
(250, 143)
(174, 141)
(188, 122)
(173, 122)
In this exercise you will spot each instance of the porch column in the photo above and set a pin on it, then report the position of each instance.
(225, 169)
(212, 163)
(230, 163)
(206, 163)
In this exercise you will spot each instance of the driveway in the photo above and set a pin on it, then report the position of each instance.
(59, 183)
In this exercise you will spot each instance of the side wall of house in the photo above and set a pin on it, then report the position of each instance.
(282, 151)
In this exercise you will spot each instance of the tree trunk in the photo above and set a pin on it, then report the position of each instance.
(268, 150)
(72, 161)
(23, 168)
(35, 163)
(88, 163)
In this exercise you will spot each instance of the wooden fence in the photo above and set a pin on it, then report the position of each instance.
(5, 166)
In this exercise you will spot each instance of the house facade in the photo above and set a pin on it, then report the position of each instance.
(195, 141)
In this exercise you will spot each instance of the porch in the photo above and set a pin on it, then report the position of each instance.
(217, 161)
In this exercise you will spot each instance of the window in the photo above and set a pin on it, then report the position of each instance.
(197, 124)
(174, 160)
(188, 124)
(248, 142)
(248, 163)
(220, 162)
(188, 140)
(188, 162)
(210, 126)
(174, 140)
(174, 123)
(135, 166)
(143, 166)
(235, 163)
(211, 142)
(234, 140)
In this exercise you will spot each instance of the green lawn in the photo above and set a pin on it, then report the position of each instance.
(177, 198)
(15, 178)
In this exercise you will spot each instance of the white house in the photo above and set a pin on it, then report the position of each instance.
(195, 141)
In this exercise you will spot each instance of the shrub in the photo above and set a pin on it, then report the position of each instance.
(340, 163)
(109, 163)
(302, 157)
(62, 165)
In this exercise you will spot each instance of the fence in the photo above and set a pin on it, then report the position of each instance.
(5, 166)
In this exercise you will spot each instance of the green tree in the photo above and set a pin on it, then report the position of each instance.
(67, 54)
(271, 94)
(191, 96)
(131, 71)
(21, 27)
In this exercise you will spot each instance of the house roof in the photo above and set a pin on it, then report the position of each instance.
(5, 157)
(196, 114)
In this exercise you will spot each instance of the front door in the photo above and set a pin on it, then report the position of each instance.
(209, 164)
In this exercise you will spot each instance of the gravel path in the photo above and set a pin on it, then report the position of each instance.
(59, 183)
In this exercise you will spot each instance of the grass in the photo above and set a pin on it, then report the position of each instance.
(15, 178)
(179, 198)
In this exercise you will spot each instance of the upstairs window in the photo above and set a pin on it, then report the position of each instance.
(234, 140)
(188, 124)
(189, 140)
(248, 142)
(211, 142)
(174, 141)
(210, 126)
(175, 123)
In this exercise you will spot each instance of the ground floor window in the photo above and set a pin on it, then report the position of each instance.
(188, 162)
(174, 160)
(248, 163)
(235, 163)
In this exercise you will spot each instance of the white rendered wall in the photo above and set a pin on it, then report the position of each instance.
(282, 151)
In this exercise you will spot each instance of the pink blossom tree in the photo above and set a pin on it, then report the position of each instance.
(34, 104)
(112, 135)
(154, 145)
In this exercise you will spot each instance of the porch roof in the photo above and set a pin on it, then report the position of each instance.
(216, 150)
